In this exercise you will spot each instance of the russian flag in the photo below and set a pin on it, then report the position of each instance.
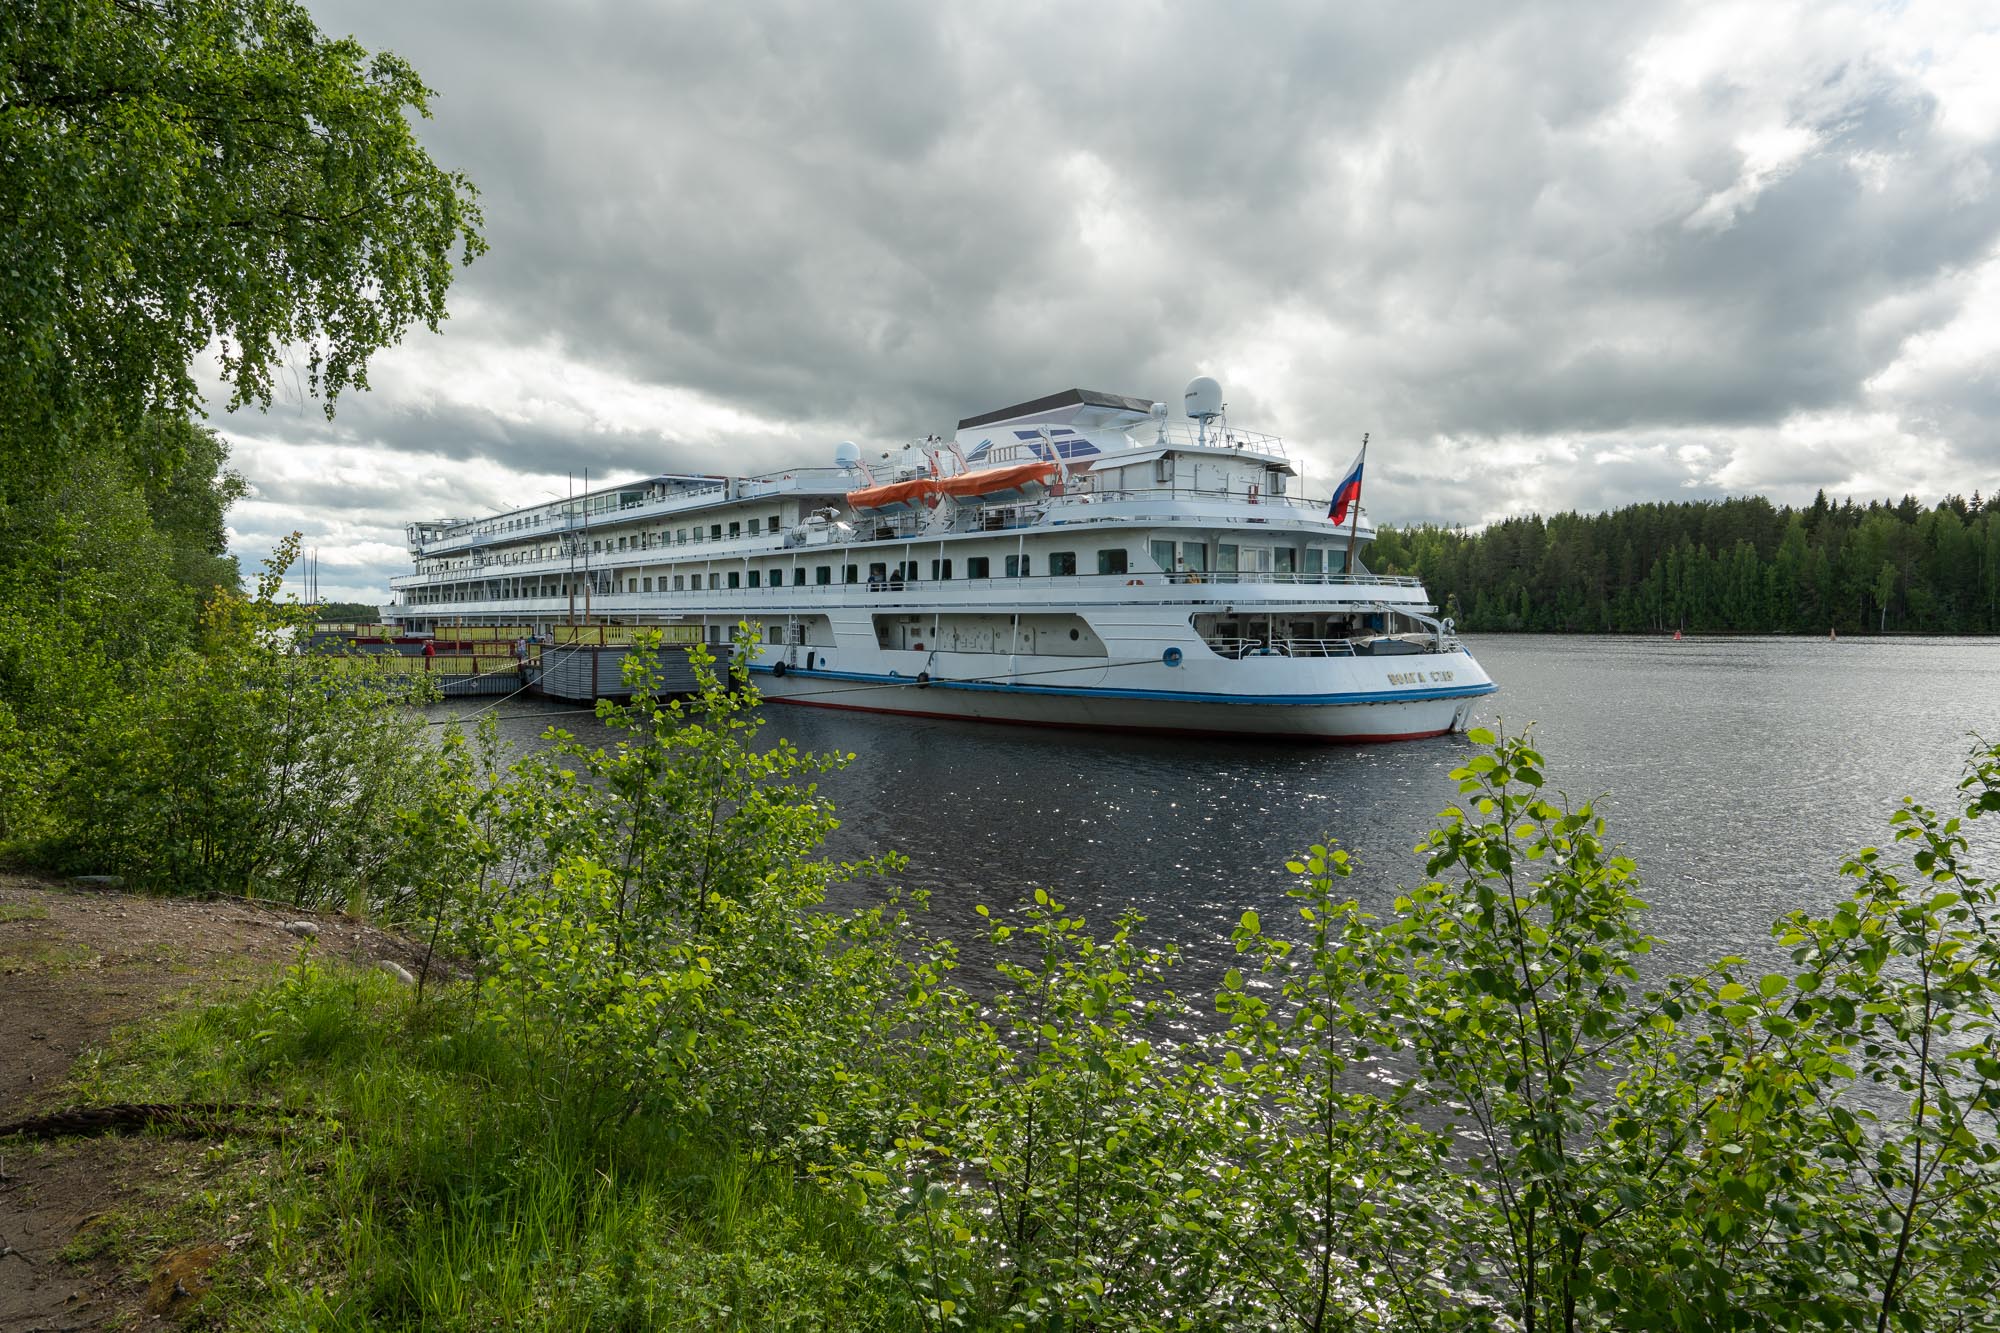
(1349, 490)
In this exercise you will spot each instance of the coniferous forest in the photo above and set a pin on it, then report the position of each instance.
(1742, 565)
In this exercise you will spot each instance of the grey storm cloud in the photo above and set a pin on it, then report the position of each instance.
(1562, 225)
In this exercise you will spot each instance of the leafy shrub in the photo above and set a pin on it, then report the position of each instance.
(247, 767)
(1474, 1110)
(669, 939)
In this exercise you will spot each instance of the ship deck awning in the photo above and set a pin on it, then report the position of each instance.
(1069, 404)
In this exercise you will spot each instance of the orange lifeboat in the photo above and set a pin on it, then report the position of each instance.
(895, 497)
(1021, 482)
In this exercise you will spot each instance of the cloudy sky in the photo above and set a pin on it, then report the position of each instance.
(1552, 255)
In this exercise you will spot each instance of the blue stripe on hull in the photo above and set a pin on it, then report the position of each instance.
(1176, 696)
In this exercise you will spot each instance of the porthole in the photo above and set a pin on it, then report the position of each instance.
(1074, 635)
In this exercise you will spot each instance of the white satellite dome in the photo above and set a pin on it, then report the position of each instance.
(1203, 398)
(847, 455)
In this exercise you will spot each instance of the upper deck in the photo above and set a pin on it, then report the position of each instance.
(628, 502)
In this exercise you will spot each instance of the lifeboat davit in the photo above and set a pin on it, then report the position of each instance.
(1024, 481)
(895, 497)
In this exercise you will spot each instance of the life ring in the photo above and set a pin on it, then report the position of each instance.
(1172, 657)
(778, 667)
(1135, 583)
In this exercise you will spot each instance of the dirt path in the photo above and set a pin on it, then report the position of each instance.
(75, 964)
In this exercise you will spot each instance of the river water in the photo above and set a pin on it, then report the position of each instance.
(1737, 773)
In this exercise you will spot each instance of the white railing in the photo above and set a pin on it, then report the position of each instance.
(1241, 648)
(1266, 576)
(1184, 436)
(559, 522)
(881, 590)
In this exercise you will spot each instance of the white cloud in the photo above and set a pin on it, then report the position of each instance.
(1555, 254)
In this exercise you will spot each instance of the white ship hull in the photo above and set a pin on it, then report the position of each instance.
(1351, 718)
(1328, 699)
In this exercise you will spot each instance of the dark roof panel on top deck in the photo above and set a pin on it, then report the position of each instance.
(1067, 398)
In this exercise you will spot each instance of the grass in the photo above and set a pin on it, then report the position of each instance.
(46, 956)
(430, 1174)
(22, 912)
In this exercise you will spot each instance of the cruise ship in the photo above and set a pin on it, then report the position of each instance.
(1079, 560)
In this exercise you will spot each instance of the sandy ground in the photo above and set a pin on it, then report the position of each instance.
(77, 963)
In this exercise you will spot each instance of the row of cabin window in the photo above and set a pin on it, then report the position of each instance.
(905, 571)
(1112, 561)
(1230, 558)
(641, 542)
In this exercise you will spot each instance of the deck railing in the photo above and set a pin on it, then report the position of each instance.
(1049, 589)
(1240, 648)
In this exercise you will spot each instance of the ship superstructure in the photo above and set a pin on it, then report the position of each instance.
(1075, 560)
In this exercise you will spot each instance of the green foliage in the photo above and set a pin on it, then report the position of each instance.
(435, 1174)
(1478, 1109)
(1061, 1170)
(1349, 1204)
(247, 767)
(346, 612)
(666, 936)
(1472, 1111)
(188, 173)
(1731, 565)
(176, 176)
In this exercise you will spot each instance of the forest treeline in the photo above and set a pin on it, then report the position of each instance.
(1741, 564)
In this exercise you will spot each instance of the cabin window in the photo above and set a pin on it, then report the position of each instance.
(851, 574)
(1019, 566)
(771, 634)
(735, 579)
(648, 583)
(1111, 562)
(878, 575)
(978, 567)
(678, 584)
(715, 532)
(680, 536)
(1195, 555)
(1315, 560)
(777, 578)
(773, 524)
(631, 585)
(1163, 469)
(823, 575)
(621, 543)
(1225, 558)
(1062, 562)
(940, 569)
(1163, 555)
(736, 529)
(1286, 560)
(756, 578)
(714, 581)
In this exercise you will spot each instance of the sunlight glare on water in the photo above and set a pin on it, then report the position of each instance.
(1736, 772)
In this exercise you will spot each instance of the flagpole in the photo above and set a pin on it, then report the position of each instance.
(1354, 524)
